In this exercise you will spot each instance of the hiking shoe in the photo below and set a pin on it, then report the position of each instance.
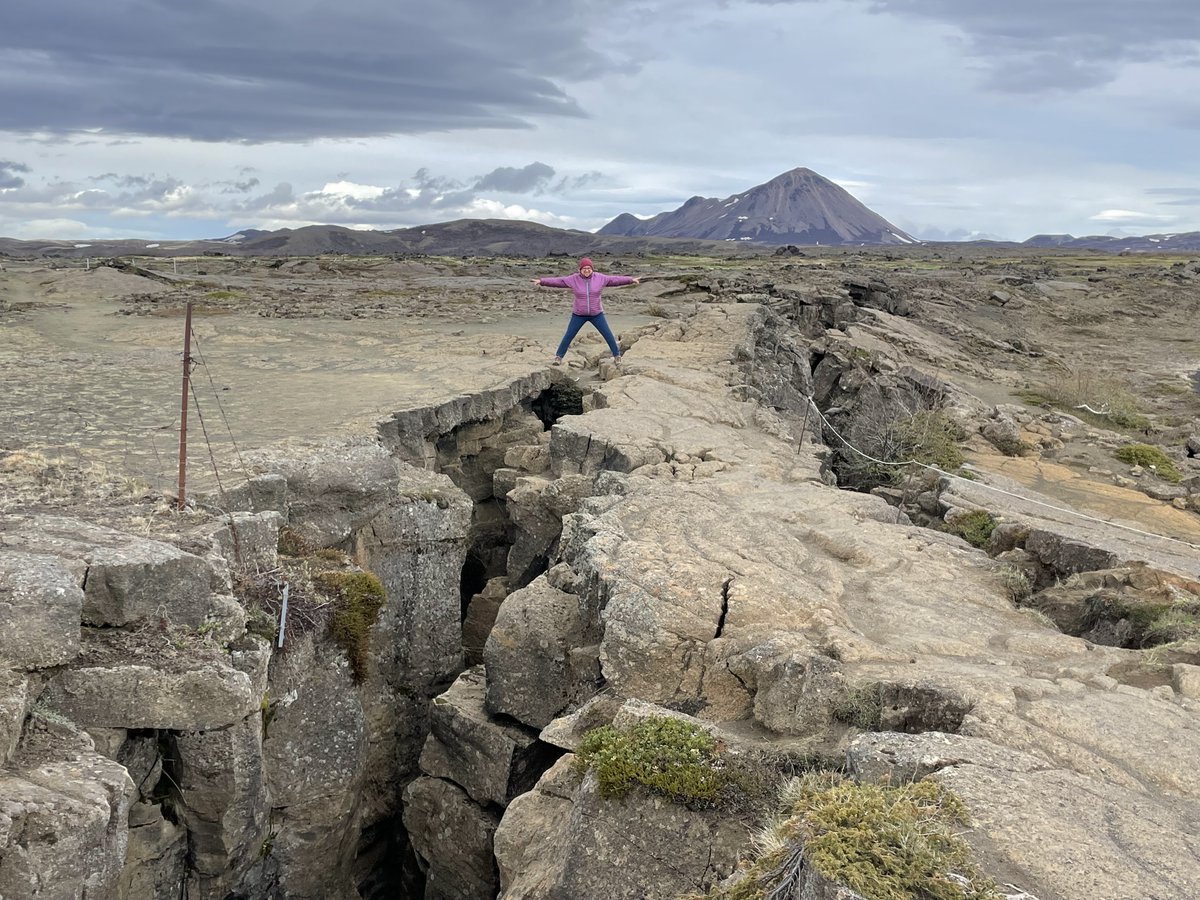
(557, 361)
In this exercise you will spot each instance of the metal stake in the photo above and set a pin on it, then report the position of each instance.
(187, 368)
(283, 616)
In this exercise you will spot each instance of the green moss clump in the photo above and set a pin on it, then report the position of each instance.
(885, 842)
(668, 756)
(359, 597)
(975, 527)
(1149, 455)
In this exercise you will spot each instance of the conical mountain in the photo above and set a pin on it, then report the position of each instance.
(797, 207)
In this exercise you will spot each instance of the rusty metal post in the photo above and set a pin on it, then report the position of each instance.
(183, 404)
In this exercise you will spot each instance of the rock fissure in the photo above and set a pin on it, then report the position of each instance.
(590, 601)
(724, 608)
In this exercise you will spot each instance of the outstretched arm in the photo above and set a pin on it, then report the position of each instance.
(551, 282)
(620, 280)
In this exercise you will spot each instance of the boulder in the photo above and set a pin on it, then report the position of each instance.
(63, 830)
(482, 609)
(530, 671)
(249, 541)
(1003, 433)
(493, 761)
(14, 700)
(125, 579)
(156, 860)
(531, 866)
(334, 487)
(566, 841)
(200, 695)
(536, 507)
(315, 751)
(453, 837)
(40, 606)
(259, 493)
(416, 547)
(223, 796)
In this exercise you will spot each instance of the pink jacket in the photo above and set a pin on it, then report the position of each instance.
(587, 290)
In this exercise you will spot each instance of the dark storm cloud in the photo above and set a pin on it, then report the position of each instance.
(1035, 45)
(220, 70)
(8, 174)
(516, 181)
(238, 187)
(1176, 196)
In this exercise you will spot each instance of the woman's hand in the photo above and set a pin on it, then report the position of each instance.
(637, 281)
(537, 281)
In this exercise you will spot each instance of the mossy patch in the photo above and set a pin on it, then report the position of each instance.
(975, 527)
(1149, 456)
(358, 599)
(885, 842)
(665, 755)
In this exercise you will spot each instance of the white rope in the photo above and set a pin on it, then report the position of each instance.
(989, 487)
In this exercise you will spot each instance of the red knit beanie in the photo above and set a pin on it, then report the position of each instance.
(586, 262)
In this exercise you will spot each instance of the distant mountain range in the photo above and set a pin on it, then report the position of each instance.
(1182, 242)
(464, 237)
(797, 207)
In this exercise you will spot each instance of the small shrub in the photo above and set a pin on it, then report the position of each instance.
(975, 527)
(1016, 582)
(668, 756)
(658, 310)
(1147, 455)
(333, 555)
(292, 544)
(1179, 623)
(889, 431)
(1040, 617)
(358, 599)
(885, 842)
(1096, 398)
(862, 707)
(260, 622)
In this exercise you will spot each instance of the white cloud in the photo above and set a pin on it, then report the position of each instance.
(352, 190)
(1130, 216)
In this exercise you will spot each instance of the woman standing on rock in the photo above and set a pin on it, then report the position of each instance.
(587, 284)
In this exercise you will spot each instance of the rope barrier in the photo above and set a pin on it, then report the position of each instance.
(216, 396)
(207, 442)
(989, 487)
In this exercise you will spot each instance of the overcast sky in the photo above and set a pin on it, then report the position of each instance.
(951, 118)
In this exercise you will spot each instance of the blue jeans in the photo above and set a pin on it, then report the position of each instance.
(577, 322)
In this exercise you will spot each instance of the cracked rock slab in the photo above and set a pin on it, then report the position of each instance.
(492, 761)
(125, 579)
(40, 606)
